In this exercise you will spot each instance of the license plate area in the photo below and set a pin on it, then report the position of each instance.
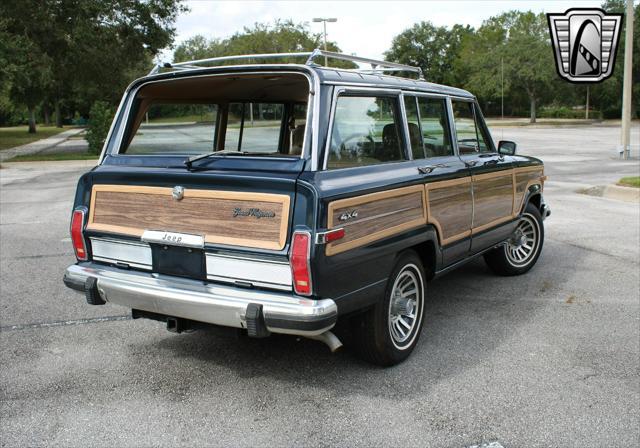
(180, 261)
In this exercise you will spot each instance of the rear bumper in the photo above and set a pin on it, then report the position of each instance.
(204, 302)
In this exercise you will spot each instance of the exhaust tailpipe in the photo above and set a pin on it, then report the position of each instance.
(328, 338)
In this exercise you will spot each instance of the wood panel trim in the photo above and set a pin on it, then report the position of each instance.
(448, 183)
(540, 181)
(444, 184)
(427, 187)
(333, 248)
(283, 200)
(526, 169)
(370, 197)
(492, 175)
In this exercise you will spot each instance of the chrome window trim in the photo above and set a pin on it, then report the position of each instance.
(309, 146)
(408, 153)
(452, 127)
(405, 88)
(366, 91)
(483, 124)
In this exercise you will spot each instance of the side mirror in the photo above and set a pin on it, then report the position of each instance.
(507, 148)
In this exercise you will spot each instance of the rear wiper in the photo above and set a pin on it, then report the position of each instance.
(189, 162)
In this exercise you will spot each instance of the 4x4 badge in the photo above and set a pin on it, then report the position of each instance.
(349, 215)
(584, 43)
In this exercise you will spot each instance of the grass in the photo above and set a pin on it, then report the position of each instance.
(52, 156)
(18, 135)
(633, 181)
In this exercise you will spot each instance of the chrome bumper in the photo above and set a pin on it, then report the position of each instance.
(545, 210)
(204, 302)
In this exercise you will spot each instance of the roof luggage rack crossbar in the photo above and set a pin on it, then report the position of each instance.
(377, 66)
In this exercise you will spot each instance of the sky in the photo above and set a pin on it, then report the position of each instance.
(365, 28)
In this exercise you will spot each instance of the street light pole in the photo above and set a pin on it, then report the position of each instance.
(626, 88)
(324, 23)
(502, 88)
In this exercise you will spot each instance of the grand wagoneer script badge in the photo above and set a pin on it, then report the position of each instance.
(255, 212)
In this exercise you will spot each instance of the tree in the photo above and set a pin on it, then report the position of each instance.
(432, 48)
(30, 77)
(279, 37)
(519, 42)
(89, 47)
(100, 119)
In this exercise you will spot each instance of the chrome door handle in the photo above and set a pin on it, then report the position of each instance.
(428, 169)
(470, 163)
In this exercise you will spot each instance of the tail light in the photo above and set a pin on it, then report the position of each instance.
(77, 234)
(300, 265)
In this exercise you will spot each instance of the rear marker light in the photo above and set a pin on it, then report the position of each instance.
(330, 236)
(300, 266)
(77, 237)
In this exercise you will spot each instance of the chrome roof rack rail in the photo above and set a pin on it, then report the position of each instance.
(377, 66)
(190, 65)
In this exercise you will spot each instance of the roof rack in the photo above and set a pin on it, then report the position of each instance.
(377, 66)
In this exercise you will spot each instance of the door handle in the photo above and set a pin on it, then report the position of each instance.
(428, 169)
(470, 163)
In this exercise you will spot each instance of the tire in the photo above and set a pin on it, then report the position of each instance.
(520, 253)
(378, 334)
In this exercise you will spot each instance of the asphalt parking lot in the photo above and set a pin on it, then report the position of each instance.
(547, 359)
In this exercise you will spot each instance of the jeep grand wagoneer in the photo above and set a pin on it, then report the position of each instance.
(280, 198)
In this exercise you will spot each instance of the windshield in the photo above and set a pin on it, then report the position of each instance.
(197, 116)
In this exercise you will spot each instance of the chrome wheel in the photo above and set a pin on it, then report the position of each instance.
(405, 306)
(524, 244)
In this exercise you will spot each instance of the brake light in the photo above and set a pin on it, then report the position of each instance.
(300, 266)
(77, 236)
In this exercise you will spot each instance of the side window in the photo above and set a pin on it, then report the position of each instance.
(365, 132)
(471, 138)
(434, 126)
(428, 127)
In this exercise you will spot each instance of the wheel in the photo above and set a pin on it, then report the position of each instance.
(387, 333)
(522, 250)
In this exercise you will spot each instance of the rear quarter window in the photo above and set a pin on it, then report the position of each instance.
(366, 131)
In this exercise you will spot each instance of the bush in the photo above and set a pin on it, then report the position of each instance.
(100, 118)
(565, 112)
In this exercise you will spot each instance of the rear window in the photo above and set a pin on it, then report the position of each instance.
(176, 129)
(218, 115)
(254, 127)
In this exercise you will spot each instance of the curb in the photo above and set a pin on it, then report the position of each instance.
(618, 192)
